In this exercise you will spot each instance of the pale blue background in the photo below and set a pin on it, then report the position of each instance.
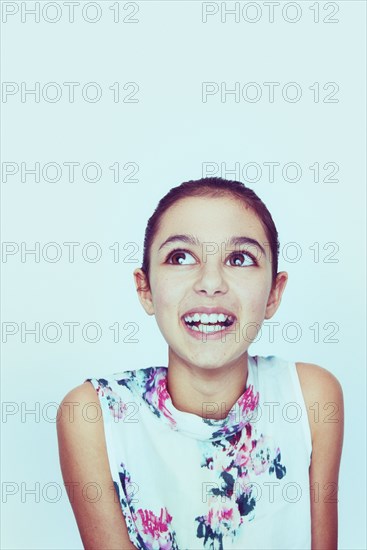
(170, 133)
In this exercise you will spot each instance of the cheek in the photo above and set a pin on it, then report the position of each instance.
(257, 297)
(165, 295)
(258, 307)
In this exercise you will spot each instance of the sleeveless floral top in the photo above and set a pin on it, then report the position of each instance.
(190, 482)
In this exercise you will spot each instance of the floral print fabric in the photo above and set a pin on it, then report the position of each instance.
(227, 463)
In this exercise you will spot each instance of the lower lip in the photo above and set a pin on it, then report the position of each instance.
(208, 335)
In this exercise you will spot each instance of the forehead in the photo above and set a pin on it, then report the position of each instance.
(210, 219)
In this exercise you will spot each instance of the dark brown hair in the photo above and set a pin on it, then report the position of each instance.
(212, 187)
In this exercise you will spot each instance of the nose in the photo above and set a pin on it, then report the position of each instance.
(210, 281)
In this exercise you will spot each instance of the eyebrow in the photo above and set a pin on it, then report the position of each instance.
(189, 239)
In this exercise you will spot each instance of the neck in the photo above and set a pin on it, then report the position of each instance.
(209, 392)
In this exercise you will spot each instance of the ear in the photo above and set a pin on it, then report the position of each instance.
(275, 295)
(143, 289)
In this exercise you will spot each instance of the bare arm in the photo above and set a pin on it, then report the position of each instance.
(83, 460)
(324, 397)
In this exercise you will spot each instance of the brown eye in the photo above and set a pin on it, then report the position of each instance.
(238, 258)
(180, 256)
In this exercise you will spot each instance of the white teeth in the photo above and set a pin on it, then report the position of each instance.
(205, 318)
(207, 328)
(213, 328)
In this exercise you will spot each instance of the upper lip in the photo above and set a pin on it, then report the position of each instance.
(208, 311)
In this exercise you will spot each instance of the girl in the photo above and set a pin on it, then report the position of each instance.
(219, 449)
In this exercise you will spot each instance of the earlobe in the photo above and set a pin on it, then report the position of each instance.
(143, 290)
(276, 293)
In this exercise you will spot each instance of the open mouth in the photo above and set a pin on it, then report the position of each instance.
(205, 325)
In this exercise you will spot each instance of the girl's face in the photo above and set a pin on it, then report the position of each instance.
(211, 273)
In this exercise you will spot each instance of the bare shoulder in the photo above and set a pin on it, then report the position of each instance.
(80, 418)
(323, 396)
(317, 380)
(80, 423)
(322, 393)
(84, 463)
(84, 392)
